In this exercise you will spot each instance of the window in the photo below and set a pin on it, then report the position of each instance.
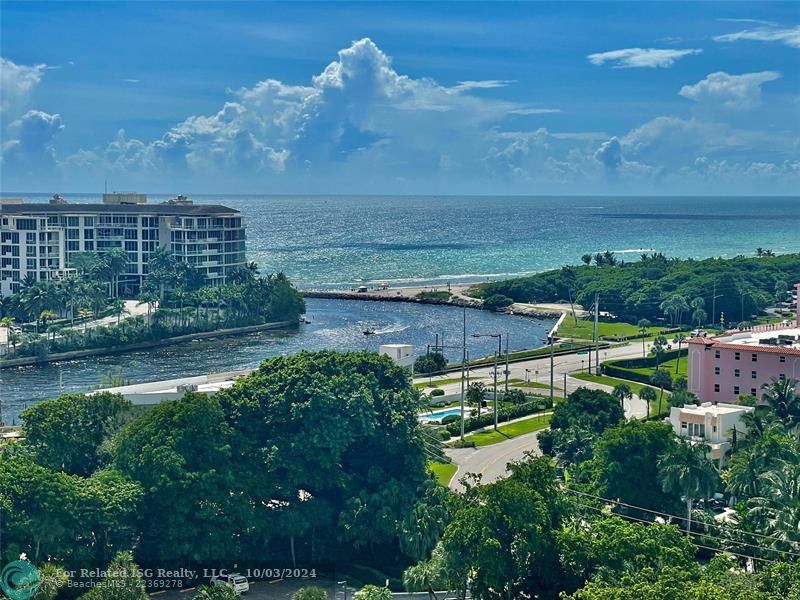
(783, 359)
(753, 391)
(737, 355)
(753, 374)
(30, 238)
(736, 390)
(782, 377)
(716, 353)
(26, 224)
(736, 372)
(88, 221)
(88, 234)
(72, 221)
(754, 357)
(716, 387)
(683, 424)
(716, 371)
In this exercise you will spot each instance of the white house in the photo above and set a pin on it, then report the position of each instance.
(710, 423)
(401, 354)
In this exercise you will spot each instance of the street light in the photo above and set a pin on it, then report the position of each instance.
(499, 337)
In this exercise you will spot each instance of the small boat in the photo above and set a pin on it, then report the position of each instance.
(304, 320)
(369, 332)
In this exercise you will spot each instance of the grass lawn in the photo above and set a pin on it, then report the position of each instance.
(635, 388)
(444, 471)
(509, 430)
(584, 329)
(668, 366)
(436, 382)
(530, 384)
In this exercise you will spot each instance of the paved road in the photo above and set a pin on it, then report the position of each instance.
(490, 461)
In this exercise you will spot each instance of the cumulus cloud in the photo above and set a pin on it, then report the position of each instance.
(788, 36)
(484, 84)
(17, 82)
(731, 91)
(30, 146)
(628, 58)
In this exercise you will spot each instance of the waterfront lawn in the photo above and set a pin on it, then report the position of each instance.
(530, 384)
(584, 329)
(633, 385)
(436, 383)
(444, 472)
(510, 430)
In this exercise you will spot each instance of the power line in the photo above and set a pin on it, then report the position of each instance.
(635, 519)
(720, 537)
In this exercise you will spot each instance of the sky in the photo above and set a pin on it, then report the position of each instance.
(400, 97)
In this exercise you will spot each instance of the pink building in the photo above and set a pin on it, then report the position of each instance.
(723, 367)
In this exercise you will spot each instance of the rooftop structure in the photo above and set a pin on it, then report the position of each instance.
(712, 424)
(40, 240)
(743, 361)
(401, 354)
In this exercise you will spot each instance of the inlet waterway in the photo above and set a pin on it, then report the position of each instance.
(335, 325)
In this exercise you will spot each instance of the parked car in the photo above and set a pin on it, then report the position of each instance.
(236, 581)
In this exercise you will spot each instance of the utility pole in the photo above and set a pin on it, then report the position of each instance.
(506, 362)
(551, 338)
(596, 336)
(565, 384)
(463, 366)
(496, 356)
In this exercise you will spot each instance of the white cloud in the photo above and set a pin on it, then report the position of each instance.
(789, 36)
(484, 84)
(641, 57)
(30, 144)
(534, 111)
(731, 91)
(17, 82)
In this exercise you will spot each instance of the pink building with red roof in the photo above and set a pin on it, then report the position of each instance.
(723, 367)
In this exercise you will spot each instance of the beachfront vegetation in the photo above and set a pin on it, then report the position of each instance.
(657, 288)
(177, 304)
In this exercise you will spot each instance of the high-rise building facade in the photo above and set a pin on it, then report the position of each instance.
(40, 240)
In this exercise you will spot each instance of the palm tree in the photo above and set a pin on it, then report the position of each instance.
(643, 325)
(71, 286)
(148, 298)
(658, 349)
(686, 470)
(661, 379)
(118, 308)
(777, 509)
(428, 575)
(116, 262)
(781, 396)
(622, 392)
(647, 394)
(674, 307)
(678, 339)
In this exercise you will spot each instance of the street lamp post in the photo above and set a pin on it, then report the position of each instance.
(499, 337)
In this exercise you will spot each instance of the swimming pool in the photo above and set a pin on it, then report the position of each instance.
(439, 415)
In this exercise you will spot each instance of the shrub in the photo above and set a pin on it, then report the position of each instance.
(433, 362)
(451, 419)
(437, 392)
(505, 414)
(498, 301)
(310, 593)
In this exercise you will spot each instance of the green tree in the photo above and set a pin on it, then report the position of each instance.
(678, 339)
(675, 307)
(432, 362)
(661, 379)
(781, 396)
(180, 453)
(373, 592)
(622, 392)
(428, 575)
(68, 433)
(122, 582)
(53, 578)
(685, 470)
(658, 349)
(310, 593)
(643, 325)
(476, 394)
(342, 436)
(624, 466)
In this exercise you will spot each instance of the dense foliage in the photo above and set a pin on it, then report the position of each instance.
(636, 290)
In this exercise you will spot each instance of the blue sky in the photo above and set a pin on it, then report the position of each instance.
(521, 98)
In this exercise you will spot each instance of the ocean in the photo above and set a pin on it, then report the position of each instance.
(342, 241)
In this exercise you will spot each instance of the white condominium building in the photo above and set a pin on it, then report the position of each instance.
(41, 239)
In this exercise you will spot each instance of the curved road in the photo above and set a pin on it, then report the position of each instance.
(490, 461)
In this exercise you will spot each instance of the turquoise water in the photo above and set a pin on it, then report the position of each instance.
(337, 241)
(440, 414)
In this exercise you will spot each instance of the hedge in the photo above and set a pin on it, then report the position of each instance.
(505, 414)
(624, 368)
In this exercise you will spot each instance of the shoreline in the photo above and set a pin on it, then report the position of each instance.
(73, 354)
(457, 297)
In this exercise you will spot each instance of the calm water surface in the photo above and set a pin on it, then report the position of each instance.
(335, 324)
